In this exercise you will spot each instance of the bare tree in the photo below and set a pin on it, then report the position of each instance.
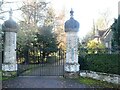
(33, 12)
(104, 20)
(59, 30)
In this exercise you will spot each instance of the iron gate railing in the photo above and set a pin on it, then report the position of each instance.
(33, 62)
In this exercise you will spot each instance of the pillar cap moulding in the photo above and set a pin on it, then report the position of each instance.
(71, 25)
(10, 25)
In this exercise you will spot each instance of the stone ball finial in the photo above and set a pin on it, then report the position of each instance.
(71, 25)
(10, 25)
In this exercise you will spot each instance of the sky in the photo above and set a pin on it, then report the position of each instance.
(85, 11)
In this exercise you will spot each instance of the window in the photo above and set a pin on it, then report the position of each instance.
(106, 44)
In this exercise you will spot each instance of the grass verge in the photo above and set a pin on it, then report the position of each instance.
(3, 78)
(97, 83)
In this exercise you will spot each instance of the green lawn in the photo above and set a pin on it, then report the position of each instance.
(93, 82)
(2, 78)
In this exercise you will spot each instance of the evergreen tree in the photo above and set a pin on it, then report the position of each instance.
(116, 33)
(46, 40)
(114, 30)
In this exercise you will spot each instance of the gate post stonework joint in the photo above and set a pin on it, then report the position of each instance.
(9, 65)
(71, 65)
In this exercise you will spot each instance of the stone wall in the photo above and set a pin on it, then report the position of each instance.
(112, 78)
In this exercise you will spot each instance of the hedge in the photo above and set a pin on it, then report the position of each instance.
(106, 63)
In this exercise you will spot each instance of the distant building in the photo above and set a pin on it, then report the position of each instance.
(104, 36)
(107, 37)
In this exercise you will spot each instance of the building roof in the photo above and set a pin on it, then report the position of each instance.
(101, 32)
(106, 32)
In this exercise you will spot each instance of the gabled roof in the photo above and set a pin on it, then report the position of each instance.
(106, 32)
(101, 32)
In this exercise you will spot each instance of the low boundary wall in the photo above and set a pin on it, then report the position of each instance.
(112, 78)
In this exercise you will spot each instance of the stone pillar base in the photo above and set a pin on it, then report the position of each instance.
(9, 67)
(72, 67)
(71, 74)
(71, 70)
(9, 70)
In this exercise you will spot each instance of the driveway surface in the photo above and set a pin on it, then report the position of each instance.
(36, 78)
(42, 82)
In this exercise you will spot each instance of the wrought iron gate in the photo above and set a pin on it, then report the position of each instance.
(32, 62)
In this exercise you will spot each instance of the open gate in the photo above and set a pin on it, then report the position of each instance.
(32, 62)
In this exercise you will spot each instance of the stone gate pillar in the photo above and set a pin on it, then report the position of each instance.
(71, 29)
(10, 28)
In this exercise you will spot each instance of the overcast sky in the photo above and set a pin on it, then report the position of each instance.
(85, 11)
